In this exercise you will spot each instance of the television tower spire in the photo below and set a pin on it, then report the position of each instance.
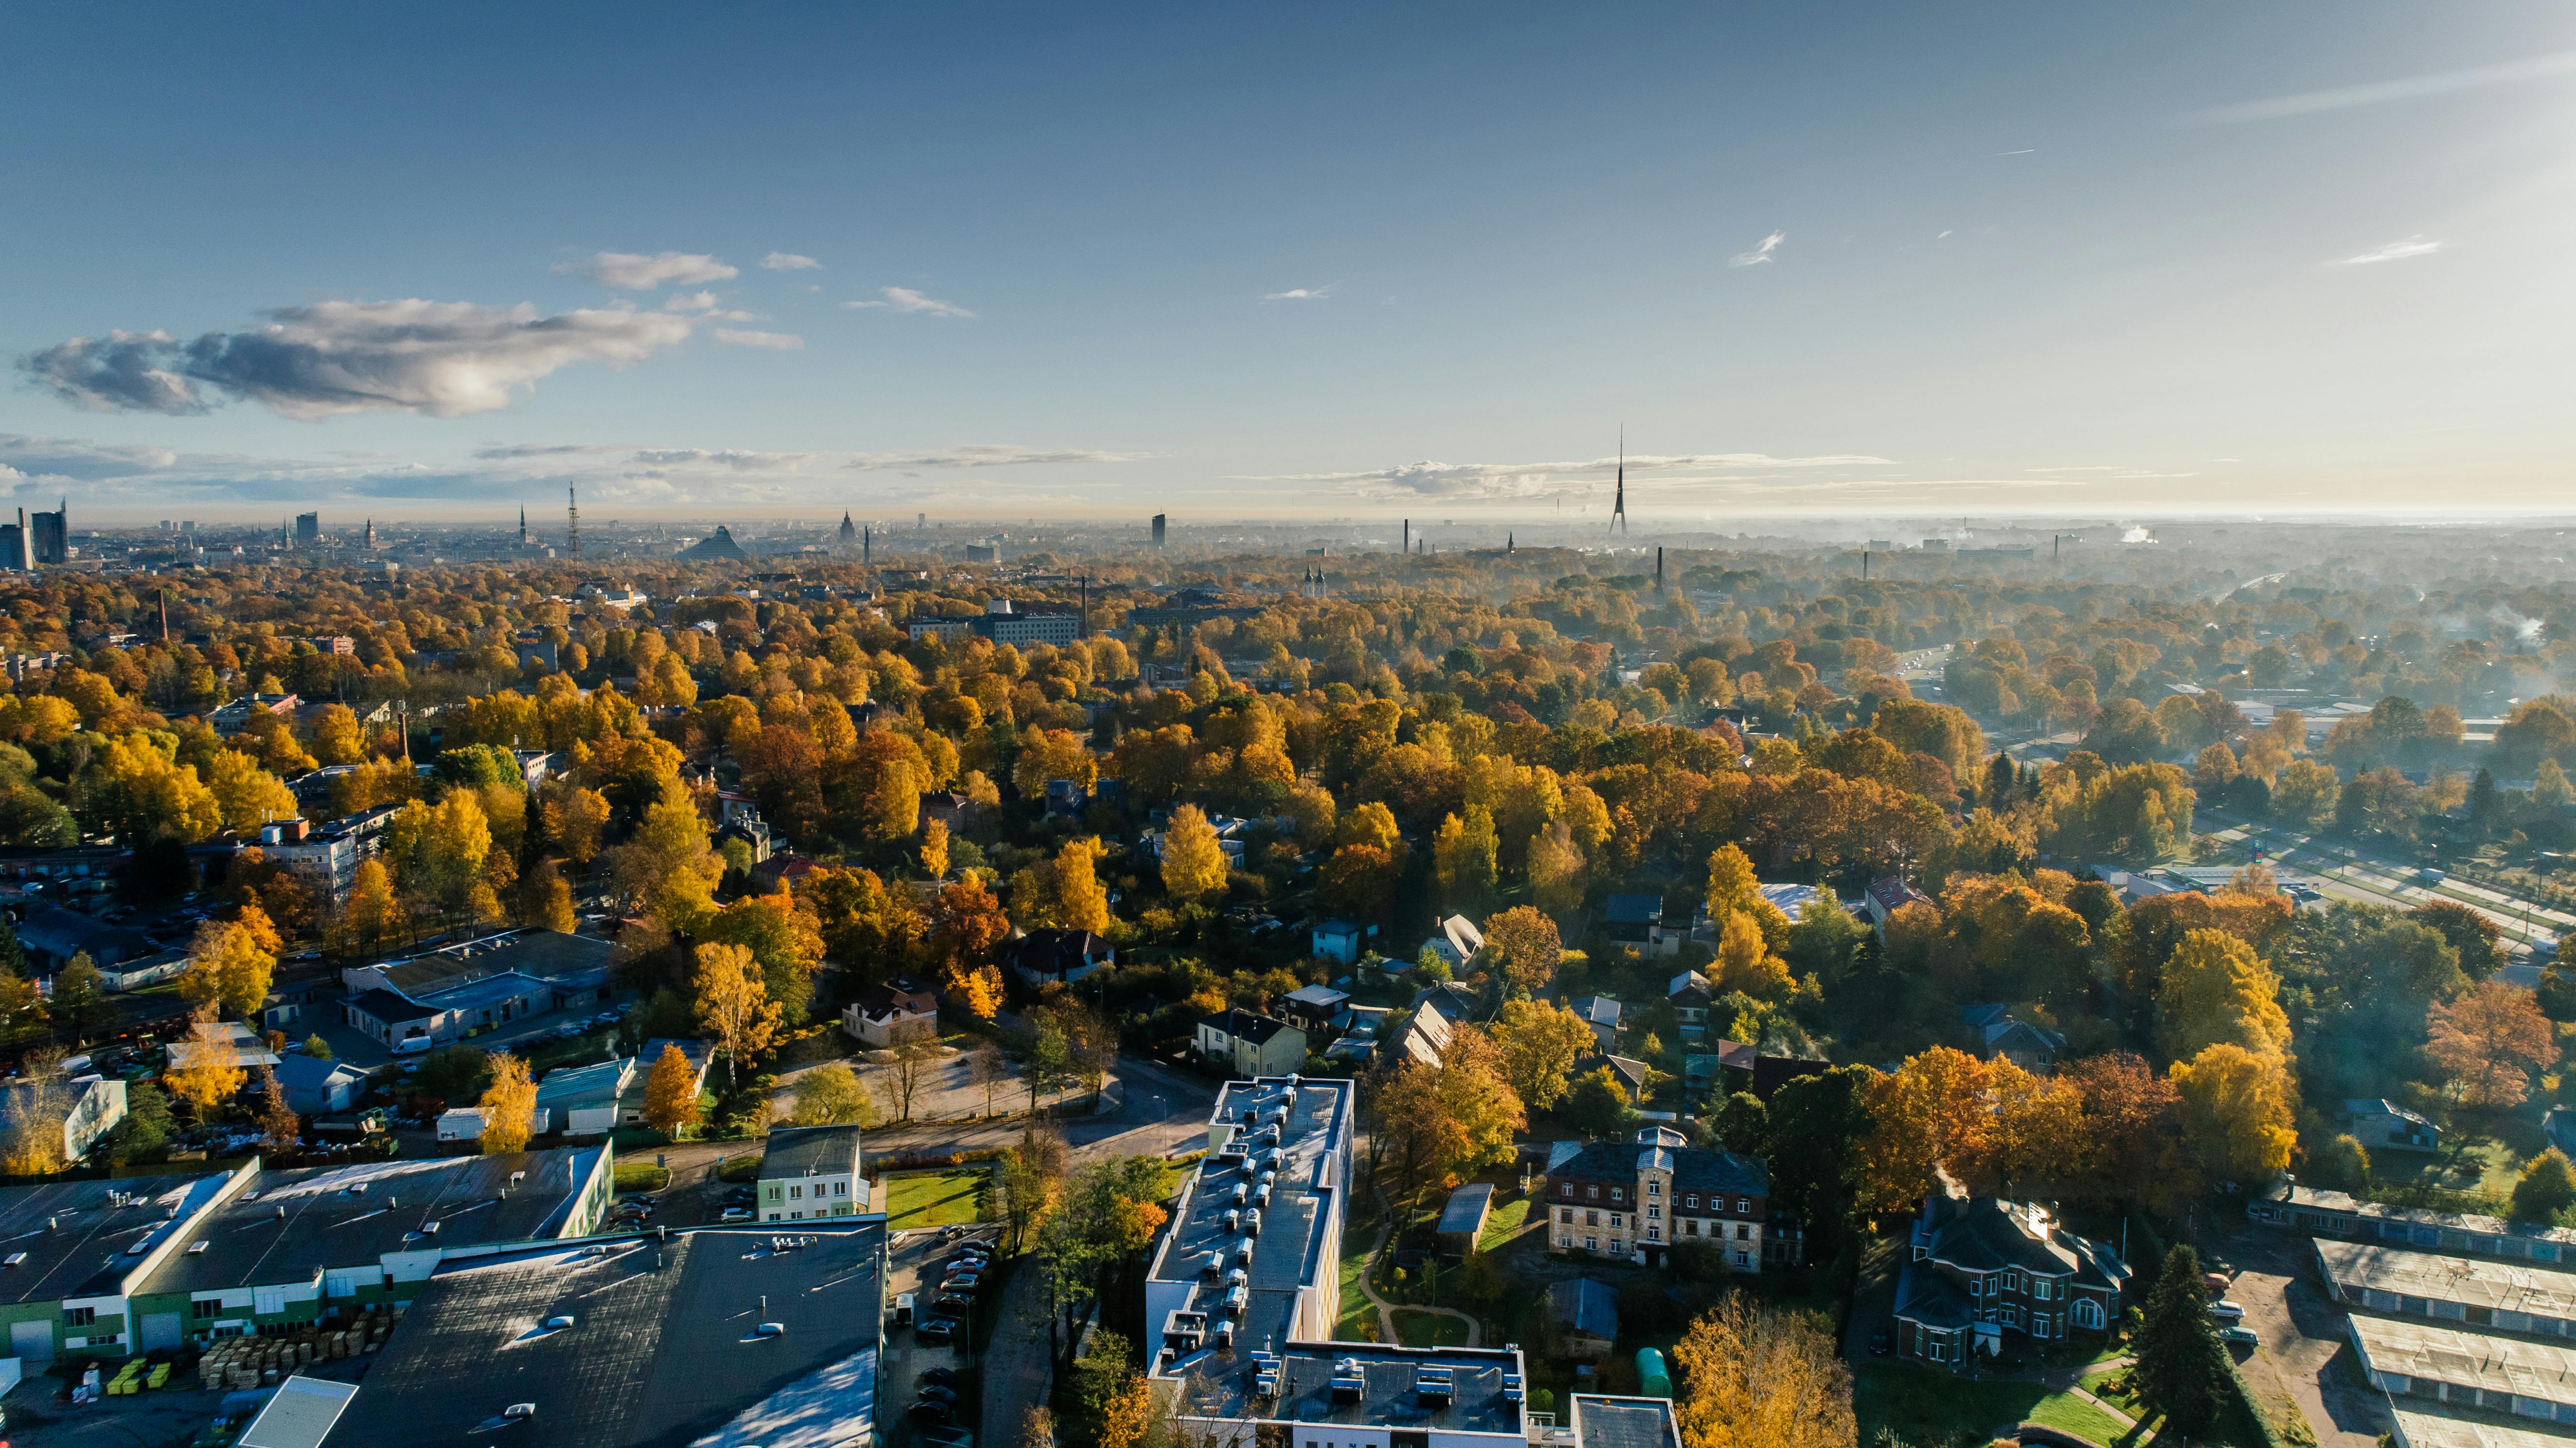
(1619, 499)
(572, 501)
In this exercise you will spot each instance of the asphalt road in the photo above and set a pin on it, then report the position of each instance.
(2342, 872)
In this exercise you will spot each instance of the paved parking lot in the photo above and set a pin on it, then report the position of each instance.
(912, 1257)
(2304, 1355)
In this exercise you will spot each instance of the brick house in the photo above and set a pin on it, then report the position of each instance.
(1633, 1200)
(1980, 1267)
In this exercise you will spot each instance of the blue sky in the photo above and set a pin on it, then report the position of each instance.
(1869, 259)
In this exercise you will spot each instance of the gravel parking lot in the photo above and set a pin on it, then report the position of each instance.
(2305, 1355)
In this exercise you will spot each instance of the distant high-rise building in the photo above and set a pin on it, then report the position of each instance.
(849, 531)
(308, 529)
(371, 535)
(13, 543)
(51, 536)
(572, 504)
(1158, 530)
(867, 546)
(1619, 499)
(523, 526)
(921, 520)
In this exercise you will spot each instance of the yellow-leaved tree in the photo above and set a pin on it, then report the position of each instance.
(509, 1106)
(227, 968)
(2216, 989)
(1732, 886)
(934, 848)
(370, 914)
(733, 1003)
(1755, 1376)
(205, 1080)
(1540, 1042)
(1745, 962)
(1193, 861)
(671, 1093)
(2239, 1112)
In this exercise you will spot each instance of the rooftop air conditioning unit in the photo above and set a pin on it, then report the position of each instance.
(520, 1410)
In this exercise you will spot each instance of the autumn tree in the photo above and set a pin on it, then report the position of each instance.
(732, 1003)
(832, 1095)
(336, 739)
(576, 820)
(227, 968)
(1733, 887)
(81, 1002)
(1463, 867)
(547, 900)
(934, 848)
(1757, 1376)
(1597, 1105)
(2489, 1040)
(1193, 861)
(1745, 963)
(1556, 870)
(2238, 1111)
(2216, 989)
(509, 1106)
(1540, 1042)
(205, 1080)
(1439, 1124)
(2546, 1190)
(671, 1094)
(966, 927)
(666, 865)
(370, 914)
(1523, 945)
(277, 1120)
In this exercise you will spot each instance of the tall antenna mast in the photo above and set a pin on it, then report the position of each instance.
(572, 505)
(1619, 499)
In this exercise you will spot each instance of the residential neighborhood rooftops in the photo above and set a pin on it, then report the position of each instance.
(658, 1347)
(1586, 1305)
(290, 1225)
(2500, 1365)
(1245, 1026)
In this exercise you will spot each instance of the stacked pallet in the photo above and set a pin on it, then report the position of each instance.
(236, 1363)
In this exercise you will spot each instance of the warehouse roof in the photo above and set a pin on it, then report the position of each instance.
(292, 1224)
(660, 1345)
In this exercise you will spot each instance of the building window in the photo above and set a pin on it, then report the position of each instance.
(1976, 1287)
(79, 1316)
(1743, 1204)
(1563, 1240)
(1654, 1233)
(1654, 1188)
(1592, 1193)
(1743, 1233)
(1691, 1227)
(1615, 1195)
(1690, 1199)
(1655, 1211)
(1565, 1215)
(204, 1307)
(1565, 1189)
(2039, 1288)
(1591, 1244)
(1617, 1220)
(1743, 1259)
(1592, 1219)
(796, 1191)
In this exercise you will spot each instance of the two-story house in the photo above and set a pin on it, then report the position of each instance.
(811, 1171)
(1634, 1200)
(902, 1009)
(1691, 994)
(1251, 1046)
(1981, 1267)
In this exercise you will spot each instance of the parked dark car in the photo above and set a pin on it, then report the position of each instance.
(928, 1411)
(949, 1304)
(940, 1377)
(932, 1392)
(937, 1329)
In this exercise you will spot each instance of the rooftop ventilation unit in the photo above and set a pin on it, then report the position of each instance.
(1213, 1266)
(520, 1410)
(1265, 1384)
(1252, 1222)
(19, 1259)
(429, 1227)
(1237, 1300)
(770, 1329)
(558, 1324)
(1433, 1385)
(1224, 1337)
(1243, 1251)
(1349, 1384)
(1512, 1392)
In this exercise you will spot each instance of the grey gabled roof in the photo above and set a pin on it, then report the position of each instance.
(795, 1151)
(1586, 1306)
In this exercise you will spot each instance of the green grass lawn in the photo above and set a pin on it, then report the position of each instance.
(641, 1177)
(1500, 1226)
(1358, 1320)
(934, 1198)
(2232, 1430)
(1926, 1404)
(1425, 1329)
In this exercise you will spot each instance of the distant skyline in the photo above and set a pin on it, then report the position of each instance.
(1019, 261)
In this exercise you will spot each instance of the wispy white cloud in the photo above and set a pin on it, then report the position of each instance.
(739, 459)
(638, 273)
(2404, 88)
(1301, 294)
(440, 359)
(1760, 255)
(905, 299)
(2393, 251)
(689, 301)
(2024, 151)
(987, 455)
(1526, 480)
(774, 341)
(789, 261)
